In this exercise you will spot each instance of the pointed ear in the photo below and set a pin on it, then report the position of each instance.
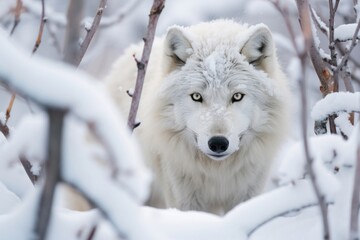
(259, 47)
(177, 46)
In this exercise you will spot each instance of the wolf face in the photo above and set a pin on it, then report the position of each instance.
(218, 88)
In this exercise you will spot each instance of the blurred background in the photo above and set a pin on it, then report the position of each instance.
(111, 39)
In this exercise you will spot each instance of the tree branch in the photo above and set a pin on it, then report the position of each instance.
(18, 9)
(41, 27)
(154, 15)
(72, 36)
(353, 43)
(91, 32)
(303, 9)
(52, 171)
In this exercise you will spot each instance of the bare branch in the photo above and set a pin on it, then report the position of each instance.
(52, 171)
(72, 35)
(9, 108)
(303, 9)
(4, 129)
(18, 9)
(90, 32)
(41, 27)
(155, 12)
(27, 166)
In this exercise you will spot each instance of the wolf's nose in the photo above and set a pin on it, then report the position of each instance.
(218, 144)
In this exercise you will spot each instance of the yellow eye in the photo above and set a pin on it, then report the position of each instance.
(196, 97)
(237, 97)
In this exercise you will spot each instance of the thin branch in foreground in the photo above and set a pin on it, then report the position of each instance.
(41, 27)
(354, 223)
(91, 32)
(18, 9)
(156, 9)
(52, 171)
(9, 108)
(4, 129)
(27, 166)
(308, 42)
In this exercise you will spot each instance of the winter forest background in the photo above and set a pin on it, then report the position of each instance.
(314, 191)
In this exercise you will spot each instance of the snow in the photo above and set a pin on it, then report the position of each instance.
(89, 157)
(345, 32)
(336, 102)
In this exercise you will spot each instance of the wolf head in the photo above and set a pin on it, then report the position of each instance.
(220, 89)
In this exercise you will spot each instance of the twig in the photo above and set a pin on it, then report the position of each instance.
(319, 23)
(90, 32)
(27, 166)
(41, 27)
(18, 9)
(345, 58)
(9, 108)
(93, 202)
(71, 49)
(303, 8)
(4, 129)
(354, 216)
(155, 12)
(52, 171)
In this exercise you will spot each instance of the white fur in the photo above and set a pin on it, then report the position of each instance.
(212, 59)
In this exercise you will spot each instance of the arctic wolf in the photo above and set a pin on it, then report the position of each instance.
(213, 112)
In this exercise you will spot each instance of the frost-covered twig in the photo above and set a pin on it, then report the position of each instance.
(18, 9)
(154, 15)
(41, 27)
(90, 32)
(319, 23)
(72, 35)
(52, 171)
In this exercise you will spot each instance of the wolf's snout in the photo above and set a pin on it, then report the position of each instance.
(218, 144)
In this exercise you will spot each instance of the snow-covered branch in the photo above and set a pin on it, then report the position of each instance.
(131, 179)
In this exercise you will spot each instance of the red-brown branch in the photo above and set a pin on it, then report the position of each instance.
(41, 27)
(18, 9)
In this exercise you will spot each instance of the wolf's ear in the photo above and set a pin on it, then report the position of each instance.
(259, 47)
(177, 46)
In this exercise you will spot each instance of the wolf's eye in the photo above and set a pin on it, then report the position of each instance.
(237, 97)
(196, 97)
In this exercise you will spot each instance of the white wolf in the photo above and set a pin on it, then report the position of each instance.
(213, 112)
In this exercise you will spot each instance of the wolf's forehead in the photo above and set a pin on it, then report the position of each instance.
(218, 64)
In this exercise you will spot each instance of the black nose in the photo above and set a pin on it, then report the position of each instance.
(218, 144)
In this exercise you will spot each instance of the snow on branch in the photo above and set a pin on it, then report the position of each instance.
(345, 32)
(48, 86)
(335, 103)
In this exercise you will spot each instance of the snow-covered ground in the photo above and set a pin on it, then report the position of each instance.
(293, 202)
